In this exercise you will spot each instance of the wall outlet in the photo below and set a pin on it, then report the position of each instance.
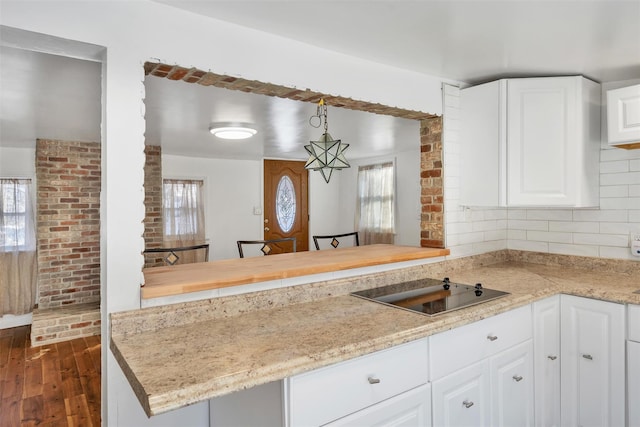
(635, 244)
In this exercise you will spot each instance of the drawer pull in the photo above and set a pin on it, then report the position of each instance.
(373, 380)
(492, 337)
(550, 357)
(587, 356)
(467, 404)
(518, 378)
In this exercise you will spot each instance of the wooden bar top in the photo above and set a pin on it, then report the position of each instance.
(180, 279)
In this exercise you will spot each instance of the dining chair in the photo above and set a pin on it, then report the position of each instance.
(267, 246)
(335, 239)
(172, 257)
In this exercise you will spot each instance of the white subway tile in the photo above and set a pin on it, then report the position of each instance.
(572, 227)
(579, 250)
(601, 239)
(634, 165)
(550, 214)
(460, 227)
(528, 225)
(545, 236)
(618, 154)
(495, 235)
(484, 225)
(634, 190)
(615, 227)
(634, 203)
(489, 246)
(471, 237)
(614, 167)
(516, 214)
(460, 251)
(500, 213)
(615, 191)
(634, 216)
(525, 245)
(477, 214)
(615, 203)
(620, 178)
(600, 215)
(516, 235)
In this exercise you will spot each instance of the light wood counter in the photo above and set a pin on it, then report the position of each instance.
(180, 279)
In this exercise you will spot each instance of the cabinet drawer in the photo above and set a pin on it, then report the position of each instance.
(633, 316)
(326, 394)
(463, 346)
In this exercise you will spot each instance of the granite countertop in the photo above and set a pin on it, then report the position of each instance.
(223, 348)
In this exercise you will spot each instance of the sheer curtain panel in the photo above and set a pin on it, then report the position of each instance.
(375, 206)
(183, 216)
(18, 261)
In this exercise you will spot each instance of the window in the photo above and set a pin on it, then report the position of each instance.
(375, 209)
(17, 230)
(183, 211)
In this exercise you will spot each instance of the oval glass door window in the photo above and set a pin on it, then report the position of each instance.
(285, 204)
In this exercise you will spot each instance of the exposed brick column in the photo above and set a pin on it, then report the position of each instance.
(431, 200)
(153, 234)
(68, 221)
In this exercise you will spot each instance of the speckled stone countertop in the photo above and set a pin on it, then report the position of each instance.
(177, 355)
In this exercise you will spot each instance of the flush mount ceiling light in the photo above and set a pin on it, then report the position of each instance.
(232, 130)
(325, 154)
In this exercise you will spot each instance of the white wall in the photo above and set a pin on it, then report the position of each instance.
(133, 32)
(602, 232)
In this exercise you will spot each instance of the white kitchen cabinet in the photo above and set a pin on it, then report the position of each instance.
(462, 398)
(592, 362)
(623, 117)
(482, 372)
(409, 409)
(546, 361)
(512, 381)
(327, 394)
(531, 142)
(633, 383)
(633, 366)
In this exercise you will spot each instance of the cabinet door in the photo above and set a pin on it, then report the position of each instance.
(462, 398)
(633, 382)
(512, 386)
(592, 362)
(623, 115)
(546, 361)
(409, 409)
(542, 120)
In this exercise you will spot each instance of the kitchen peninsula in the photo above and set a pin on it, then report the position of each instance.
(181, 354)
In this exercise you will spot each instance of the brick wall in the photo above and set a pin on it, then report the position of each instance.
(68, 221)
(153, 235)
(431, 199)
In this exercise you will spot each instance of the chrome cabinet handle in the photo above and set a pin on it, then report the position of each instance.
(587, 356)
(492, 337)
(550, 357)
(373, 380)
(467, 404)
(518, 378)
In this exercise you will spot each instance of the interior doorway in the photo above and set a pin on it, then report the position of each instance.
(286, 203)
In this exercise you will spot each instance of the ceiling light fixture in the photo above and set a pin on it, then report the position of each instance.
(232, 130)
(325, 154)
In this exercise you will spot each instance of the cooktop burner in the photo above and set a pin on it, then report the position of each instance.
(431, 296)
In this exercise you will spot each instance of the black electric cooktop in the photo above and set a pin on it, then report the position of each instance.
(431, 296)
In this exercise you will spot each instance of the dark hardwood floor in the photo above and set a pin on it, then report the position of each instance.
(52, 385)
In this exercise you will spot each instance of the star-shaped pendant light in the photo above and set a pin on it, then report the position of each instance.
(326, 154)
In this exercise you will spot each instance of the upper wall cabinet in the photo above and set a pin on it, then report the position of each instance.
(623, 117)
(531, 142)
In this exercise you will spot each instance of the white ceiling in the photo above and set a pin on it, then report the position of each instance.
(468, 41)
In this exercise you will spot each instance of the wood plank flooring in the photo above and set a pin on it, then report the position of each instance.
(55, 385)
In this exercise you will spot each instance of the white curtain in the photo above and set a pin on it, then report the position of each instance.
(183, 216)
(18, 263)
(375, 206)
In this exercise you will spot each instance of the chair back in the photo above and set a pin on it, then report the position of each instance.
(267, 247)
(336, 240)
(172, 256)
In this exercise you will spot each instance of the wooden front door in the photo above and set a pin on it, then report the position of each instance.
(286, 210)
